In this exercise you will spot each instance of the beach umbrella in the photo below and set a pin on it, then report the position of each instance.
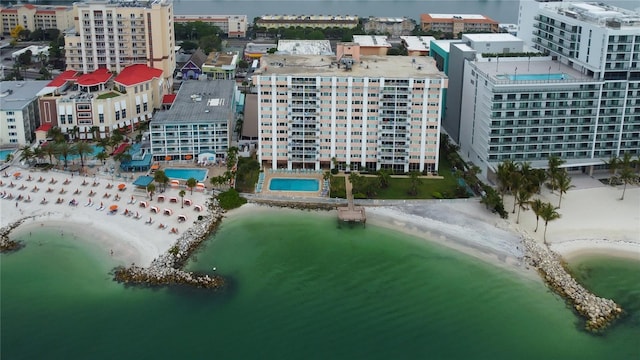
(17, 174)
(122, 186)
(113, 207)
(168, 158)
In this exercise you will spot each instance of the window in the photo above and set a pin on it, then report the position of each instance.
(101, 118)
(137, 108)
(145, 107)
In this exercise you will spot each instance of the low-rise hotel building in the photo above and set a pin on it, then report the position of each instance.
(90, 106)
(458, 23)
(389, 25)
(372, 44)
(417, 45)
(200, 120)
(310, 21)
(235, 26)
(19, 116)
(355, 111)
(33, 17)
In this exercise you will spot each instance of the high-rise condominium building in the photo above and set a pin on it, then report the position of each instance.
(353, 111)
(116, 34)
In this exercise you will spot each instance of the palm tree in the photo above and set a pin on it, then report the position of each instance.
(50, 150)
(626, 175)
(563, 181)
(523, 200)
(536, 207)
(64, 150)
(38, 154)
(548, 213)
(26, 153)
(414, 183)
(182, 194)
(82, 148)
(384, 178)
(102, 156)
(56, 134)
(103, 143)
(613, 163)
(554, 163)
(159, 176)
(151, 189)
(191, 183)
(9, 158)
(504, 174)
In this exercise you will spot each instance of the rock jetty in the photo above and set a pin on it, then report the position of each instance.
(294, 205)
(597, 311)
(166, 268)
(6, 244)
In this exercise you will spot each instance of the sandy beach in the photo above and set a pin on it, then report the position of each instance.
(125, 231)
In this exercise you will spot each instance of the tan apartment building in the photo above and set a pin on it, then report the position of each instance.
(114, 35)
(417, 45)
(455, 24)
(372, 44)
(235, 26)
(358, 111)
(94, 104)
(33, 17)
(389, 25)
(312, 21)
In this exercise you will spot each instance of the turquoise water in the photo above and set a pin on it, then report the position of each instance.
(301, 288)
(535, 77)
(95, 150)
(290, 184)
(185, 174)
(4, 153)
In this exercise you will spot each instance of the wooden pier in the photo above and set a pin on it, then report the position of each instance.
(351, 213)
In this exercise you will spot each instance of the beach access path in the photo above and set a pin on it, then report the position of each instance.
(129, 238)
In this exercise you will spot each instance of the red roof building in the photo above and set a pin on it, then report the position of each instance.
(69, 75)
(168, 99)
(95, 78)
(44, 127)
(136, 74)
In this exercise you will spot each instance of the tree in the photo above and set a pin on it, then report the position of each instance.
(506, 169)
(553, 168)
(182, 193)
(82, 148)
(414, 183)
(522, 199)
(50, 150)
(536, 207)
(613, 163)
(189, 45)
(26, 153)
(56, 134)
(151, 189)
(563, 181)
(102, 156)
(25, 58)
(548, 213)
(38, 154)
(627, 174)
(64, 150)
(15, 32)
(191, 183)
(384, 178)
(161, 178)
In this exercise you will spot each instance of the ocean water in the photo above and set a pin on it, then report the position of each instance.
(302, 288)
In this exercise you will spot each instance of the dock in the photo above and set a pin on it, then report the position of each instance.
(351, 213)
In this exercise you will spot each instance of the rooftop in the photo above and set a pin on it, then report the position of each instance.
(221, 59)
(309, 17)
(371, 40)
(536, 70)
(61, 79)
(445, 44)
(100, 76)
(388, 19)
(491, 37)
(123, 3)
(372, 66)
(15, 95)
(200, 101)
(305, 47)
(136, 74)
(417, 43)
(452, 17)
(597, 13)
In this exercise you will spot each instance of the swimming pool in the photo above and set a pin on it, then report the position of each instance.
(185, 174)
(289, 184)
(4, 153)
(534, 77)
(95, 150)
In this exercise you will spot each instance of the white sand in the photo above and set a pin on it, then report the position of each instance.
(131, 240)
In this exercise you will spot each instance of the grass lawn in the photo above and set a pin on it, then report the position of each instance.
(110, 94)
(338, 187)
(247, 175)
(399, 187)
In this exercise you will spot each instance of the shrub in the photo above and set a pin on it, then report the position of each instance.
(436, 195)
(231, 199)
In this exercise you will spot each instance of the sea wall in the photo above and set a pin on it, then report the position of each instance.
(166, 269)
(598, 312)
(298, 205)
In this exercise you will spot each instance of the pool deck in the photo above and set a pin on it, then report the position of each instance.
(271, 174)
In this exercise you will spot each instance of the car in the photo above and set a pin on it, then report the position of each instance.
(7, 59)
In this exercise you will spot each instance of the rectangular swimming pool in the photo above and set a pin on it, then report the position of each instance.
(185, 174)
(4, 153)
(534, 77)
(290, 184)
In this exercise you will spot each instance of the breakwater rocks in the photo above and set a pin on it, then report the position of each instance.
(597, 311)
(166, 268)
(6, 244)
(294, 205)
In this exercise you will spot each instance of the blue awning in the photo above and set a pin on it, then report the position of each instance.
(143, 181)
